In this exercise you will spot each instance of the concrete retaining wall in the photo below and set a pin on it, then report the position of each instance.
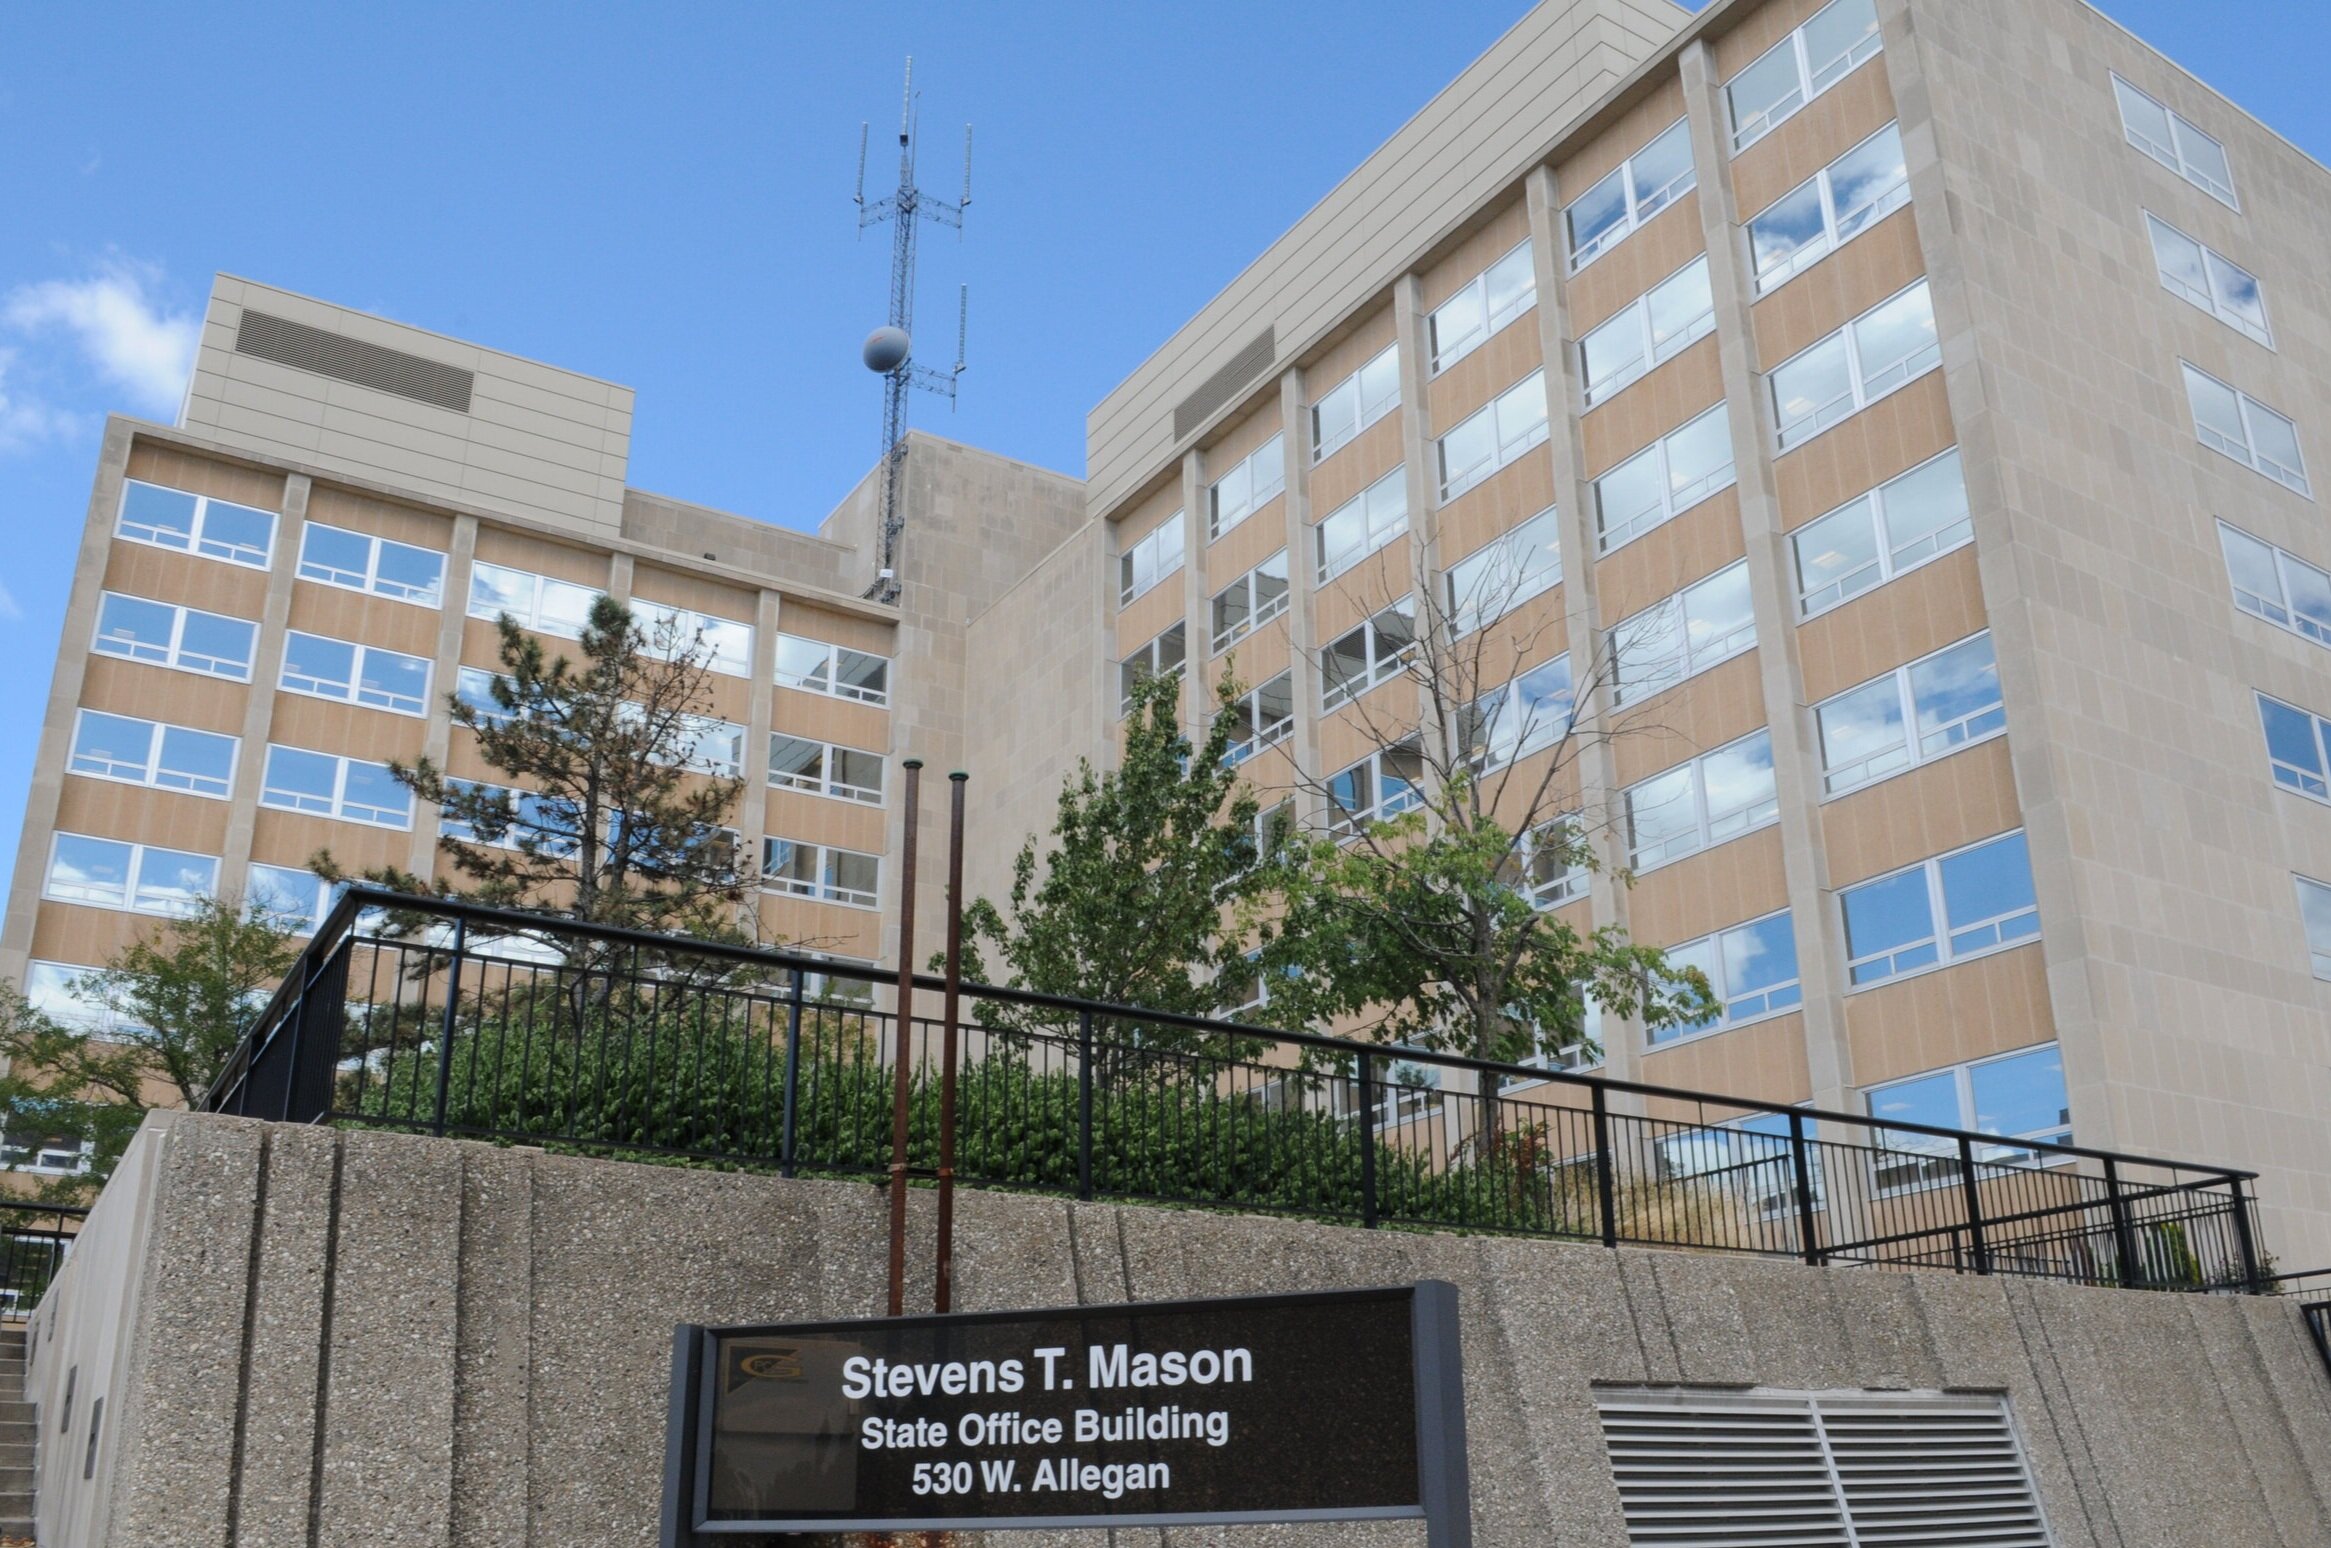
(354, 1338)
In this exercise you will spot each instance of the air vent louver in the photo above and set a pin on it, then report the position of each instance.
(268, 337)
(1224, 385)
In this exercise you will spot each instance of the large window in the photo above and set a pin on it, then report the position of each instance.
(1682, 635)
(1829, 209)
(2315, 914)
(1362, 525)
(1502, 574)
(1751, 971)
(1697, 805)
(1653, 329)
(146, 752)
(821, 871)
(1250, 601)
(533, 601)
(296, 899)
(1262, 717)
(1355, 403)
(2298, 747)
(1161, 657)
(723, 644)
(2017, 1096)
(2169, 139)
(2246, 430)
(1490, 300)
(1872, 538)
(1527, 715)
(1493, 436)
(1374, 652)
(1915, 714)
(553, 825)
(1888, 346)
(195, 524)
(1155, 555)
(328, 785)
(821, 768)
(1246, 488)
(1939, 911)
(2277, 586)
(709, 745)
(474, 686)
(142, 878)
(1551, 864)
(355, 674)
(2216, 284)
(357, 561)
(1839, 37)
(1644, 184)
(813, 666)
(1378, 788)
(1664, 480)
(180, 637)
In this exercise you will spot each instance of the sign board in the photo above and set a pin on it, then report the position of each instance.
(1341, 1406)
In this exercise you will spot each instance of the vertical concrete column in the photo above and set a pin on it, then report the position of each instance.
(1796, 759)
(761, 723)
(266, 671)
(1302, 623)
(452, 622)
(619, 567)
(1421, 486)
(1195, 695)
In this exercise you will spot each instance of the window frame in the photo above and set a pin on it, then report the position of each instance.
(1267, 733)
(1670, 504)
(535, 618)
(1640, 209)
(1154, 648)
(2293, 621)
(2318, 951)
(1576, 878)
(1257, 496)
(1130, 586)
(1439, 357)
(151, 770)
(1764, 282)
(1859, 394)
(1257, 614)
(826, 889)
(2249, 456)
(324, 895)
(174, 656)
(2312, 783)
(370, 582)
(2172, 156)
(1529, 736)
(1373, 540)
(1467, 617)
(1349, 822)
(1939, 926)
(338, 809)
(1810, 86)
(1885, 552)
(198, 529)
(1593, 394)
(1915, 1153)
(835, 688)
(1364, 416)
(1906, 702)
(1759, 814)
(827, 784)
(311, 687)
(1724, 1020)
(1502, 454)
(2258, 333)
(1381, 668)
(1739, 642)
(134, 884)
(691, 624)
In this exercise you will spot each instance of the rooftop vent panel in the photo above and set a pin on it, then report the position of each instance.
(268, 337)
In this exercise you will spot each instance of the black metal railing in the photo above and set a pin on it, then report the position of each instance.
(449, 1019)
(34, 1239)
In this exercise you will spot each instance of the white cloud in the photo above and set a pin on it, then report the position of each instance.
(127, 333)
(25, 422)
(9, 611)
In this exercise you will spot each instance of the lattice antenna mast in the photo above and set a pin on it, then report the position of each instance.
(889, 349)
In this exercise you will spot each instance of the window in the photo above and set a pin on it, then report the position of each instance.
(1551, 864)
(2019, 1096)
(54, 989)
(1981, 896)
(358, 562)
(24, 1147)
(474, 686)
(176, 637)
(2315, 914)
(295, 898)
(1527, 715)
(1368, 655)
(331, 786)
(110, 873)
(1921, 712)
(195, 524)
(1378, 788)
(1501, 575)
(821, 871)
(2277, 586)
(355, 674)
(1260, 719)
(721, 644)
(145, 752)
(1682, 635)
(1250, 601)
(1161, 657)
(1645, 183)
(1694, 806)
(838, 988)
(1246, 488)
(2220, 287)
(2298, 747)
(1751, 971)
(1494, 436)
(552, 825)
(1872, 538)
(712, 746)
(1654, 329)
(813, 666)
(1355, 403)
(1362, 525)
(2175, 143)
(1274, 826)
(1829, 209)
(1888, 346)
(2246, 430)
(533, 601)
(1495, 297)
(1153, 556)
(1664, 480)
(1840, 37)
(821, 768)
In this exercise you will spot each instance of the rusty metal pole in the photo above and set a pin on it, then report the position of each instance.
(903, 1076)
(943, 1295)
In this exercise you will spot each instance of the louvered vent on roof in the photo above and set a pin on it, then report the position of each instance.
(1767, 1469)
(354, 360)
(1217, 391)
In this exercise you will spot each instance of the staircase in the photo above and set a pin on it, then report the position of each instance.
(16, 1440)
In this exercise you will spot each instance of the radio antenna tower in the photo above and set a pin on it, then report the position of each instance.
(889, 350)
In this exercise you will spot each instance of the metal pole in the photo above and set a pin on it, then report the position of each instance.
(788, 1144)
(2124, 1233)
(1975, 1241)
(1801, 1159)
(906, 1030)
(943, 1291)
(1606, 1175)
(445, 1028)
(1368, 1141)
(1084, 1104)
(2248, 1243)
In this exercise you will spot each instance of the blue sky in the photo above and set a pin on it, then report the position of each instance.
(660, 195)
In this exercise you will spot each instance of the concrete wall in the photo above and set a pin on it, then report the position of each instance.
(342, 1338)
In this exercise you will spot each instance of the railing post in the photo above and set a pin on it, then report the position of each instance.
(1368, 1141)
(1084, 1104)
(792, 1092)
(1801, 1164)
(2251, 1272)
(445, 1028)
(1975, 1242)
(1606, 1171)
(2124, 1232)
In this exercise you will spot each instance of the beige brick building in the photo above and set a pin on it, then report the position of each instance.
(1914, 398)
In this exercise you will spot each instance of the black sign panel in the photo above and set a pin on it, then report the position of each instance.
(1338, 1406)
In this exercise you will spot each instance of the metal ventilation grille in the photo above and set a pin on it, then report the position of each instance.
(1785, 1470)
(295, 344)
(1217, 390)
